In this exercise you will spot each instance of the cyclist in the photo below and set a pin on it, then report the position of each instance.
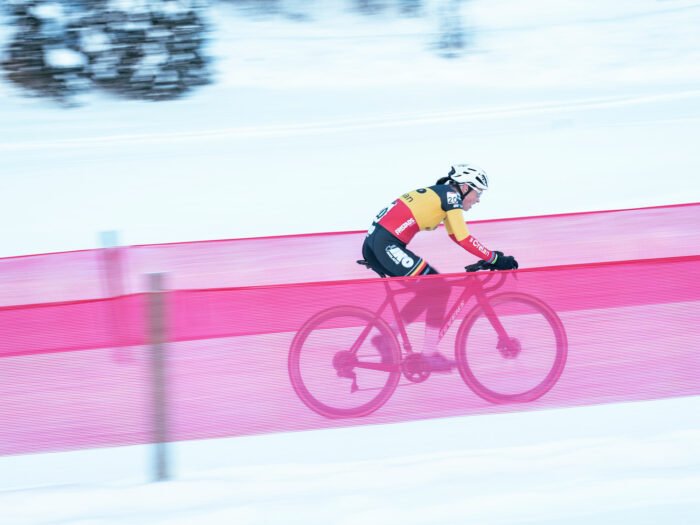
(385, 246)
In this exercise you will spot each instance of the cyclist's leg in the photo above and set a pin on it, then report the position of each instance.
(430, 298)
(370, 257)
(375, 243)
(433, 300)
(395, 259)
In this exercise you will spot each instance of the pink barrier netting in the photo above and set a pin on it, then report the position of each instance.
(293, 357)
(667, 231)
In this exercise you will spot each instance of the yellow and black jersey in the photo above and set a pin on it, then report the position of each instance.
(425, 209)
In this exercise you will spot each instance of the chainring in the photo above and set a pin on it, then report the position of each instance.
(414, 369)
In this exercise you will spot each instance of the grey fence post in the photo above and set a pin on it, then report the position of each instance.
(109, 239)
(112, 259)
(158, 338)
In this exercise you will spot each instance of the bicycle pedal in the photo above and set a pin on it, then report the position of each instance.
(446, 369)
(438, 363)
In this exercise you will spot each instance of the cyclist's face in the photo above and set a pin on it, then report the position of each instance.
(471, 198)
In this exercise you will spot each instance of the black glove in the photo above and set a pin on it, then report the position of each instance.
(504, 262)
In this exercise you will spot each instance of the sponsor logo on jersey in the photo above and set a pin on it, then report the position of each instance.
(384, 211)
(478, 245)
(452, 198)
(409, 222)
(399, 256)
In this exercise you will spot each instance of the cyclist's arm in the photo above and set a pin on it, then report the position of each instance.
(458, 232)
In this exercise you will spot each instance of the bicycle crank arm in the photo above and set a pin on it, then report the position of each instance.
(382, 367)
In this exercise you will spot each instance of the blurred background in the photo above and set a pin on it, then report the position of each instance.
(173, 120)
(155, 50)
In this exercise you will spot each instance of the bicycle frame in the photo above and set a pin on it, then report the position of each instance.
(472, 287)
(397, 359)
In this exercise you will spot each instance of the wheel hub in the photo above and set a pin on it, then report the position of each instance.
(344, 362)
(511, 348)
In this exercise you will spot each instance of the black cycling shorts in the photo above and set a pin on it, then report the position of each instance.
(388, 255)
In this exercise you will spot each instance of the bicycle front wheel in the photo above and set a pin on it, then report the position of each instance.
(336, 370)
(524, 365)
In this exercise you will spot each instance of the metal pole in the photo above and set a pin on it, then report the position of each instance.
(157, 325)
(109, 239)
(112, 264)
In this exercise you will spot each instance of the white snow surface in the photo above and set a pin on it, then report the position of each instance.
(570, 106)
(625, 463)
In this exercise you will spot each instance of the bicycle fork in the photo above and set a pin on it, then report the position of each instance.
(509, 347)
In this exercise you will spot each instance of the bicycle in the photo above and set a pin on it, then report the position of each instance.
(501, 323)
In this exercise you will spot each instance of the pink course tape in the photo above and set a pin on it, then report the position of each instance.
(282, 355)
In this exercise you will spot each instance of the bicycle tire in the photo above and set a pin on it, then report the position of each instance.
(363, 317)
(542, 387)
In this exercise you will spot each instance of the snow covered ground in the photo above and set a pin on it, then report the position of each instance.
(627, 463)
(314, 126)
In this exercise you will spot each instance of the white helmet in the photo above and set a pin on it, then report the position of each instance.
(470, 174)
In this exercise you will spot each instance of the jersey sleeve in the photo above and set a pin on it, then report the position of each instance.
(459, 233)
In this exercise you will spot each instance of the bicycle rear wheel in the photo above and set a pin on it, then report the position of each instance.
(527, 364)
(336, 370)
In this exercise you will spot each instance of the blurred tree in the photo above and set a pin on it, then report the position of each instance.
(258, 7)
(153, 53)
(153, 49)
(39, 58)
(403, 7)
(370, 7)
(298, 10)
(452, 38)
(147, 49)
(410, 7)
